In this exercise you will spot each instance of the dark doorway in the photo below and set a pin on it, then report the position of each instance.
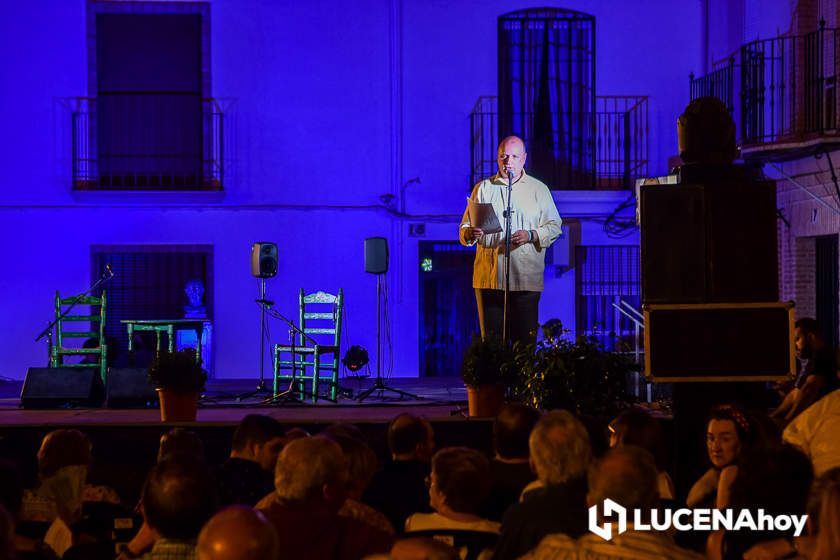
(448, 316)
(827, 286)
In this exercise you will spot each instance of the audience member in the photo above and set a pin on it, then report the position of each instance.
(815, 432)
(248, 474)
(178, 498)
(399, 489)
(422, 548)
(361, 464)
(638, 427)
(458, 486)
(560, 455)
(238, 533)
(817, 378)
(26, 546)
(825, 515)
(773, 479)
(182, 441)
(822, 541)
(627, 474)
(510, 468)
(728, 433)
(310, 482)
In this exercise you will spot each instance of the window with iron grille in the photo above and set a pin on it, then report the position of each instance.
(149, 122)
(606, 275)
(148, 283)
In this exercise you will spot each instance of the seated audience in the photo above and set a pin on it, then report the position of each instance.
(510, 468)
(248, 474)
(815, 432)
(728, 433)
(560, 455)
(637, 427)
(773, 479)
(178, 498)
(399, 489)
(238, 533)
(627, 475)
(458, 486)
(310, 481)
(817, 378)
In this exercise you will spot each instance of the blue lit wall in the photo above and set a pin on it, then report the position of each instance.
(337, 103)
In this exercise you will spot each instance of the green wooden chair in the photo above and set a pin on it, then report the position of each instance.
(93, 355)
(315, 362)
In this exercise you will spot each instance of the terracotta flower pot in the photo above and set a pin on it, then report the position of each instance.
(485, 400)
(177, 406)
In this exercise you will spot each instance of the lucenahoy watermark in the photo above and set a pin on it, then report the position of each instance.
(691, 520)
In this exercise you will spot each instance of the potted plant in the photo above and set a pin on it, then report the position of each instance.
(179, 380)
(487, 370)
(576, 375)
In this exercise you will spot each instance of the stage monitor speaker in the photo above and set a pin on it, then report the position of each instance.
(130, 388)
(719, 342)
(62, 388)
(709, 239)
(264, 259)
(376, 255)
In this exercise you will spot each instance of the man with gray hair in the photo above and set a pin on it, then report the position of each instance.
(310, 480)
(560, 455)
(627, 475)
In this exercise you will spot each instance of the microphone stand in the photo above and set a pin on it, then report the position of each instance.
(289, 393)
(47, 332)
(505, 317)
(264, 305)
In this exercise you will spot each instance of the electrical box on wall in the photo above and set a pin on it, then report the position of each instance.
(561, 254)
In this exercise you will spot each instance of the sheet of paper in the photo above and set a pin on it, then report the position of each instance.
(483, 216)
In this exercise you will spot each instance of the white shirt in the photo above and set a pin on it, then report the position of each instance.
(816, 430)
(533, 209)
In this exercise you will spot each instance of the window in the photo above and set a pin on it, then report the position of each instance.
(605, 276)
(149, 282)
(150, 122)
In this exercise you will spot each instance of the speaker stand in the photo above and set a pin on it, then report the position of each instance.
(378, 384)
(261, 388)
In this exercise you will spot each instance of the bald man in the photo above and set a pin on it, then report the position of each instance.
(238, 533)
(535, 224)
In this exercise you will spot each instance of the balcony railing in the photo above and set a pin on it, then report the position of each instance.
(786, 87)
(620, 143)
(147, 141)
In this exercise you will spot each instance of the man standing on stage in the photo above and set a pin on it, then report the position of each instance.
(535, 224)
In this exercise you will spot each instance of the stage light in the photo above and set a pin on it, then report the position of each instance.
(355, 358)
(426, 265)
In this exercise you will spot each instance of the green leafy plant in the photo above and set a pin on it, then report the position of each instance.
(488, 362)
(177, 371)
(577, 375)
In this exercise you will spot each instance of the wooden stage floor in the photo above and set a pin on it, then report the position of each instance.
(442, 399)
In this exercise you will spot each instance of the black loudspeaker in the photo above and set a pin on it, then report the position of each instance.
(710, 238)
(62, 388)
(376, 255)
(130, 388)
(264, 259)
(719, 342)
